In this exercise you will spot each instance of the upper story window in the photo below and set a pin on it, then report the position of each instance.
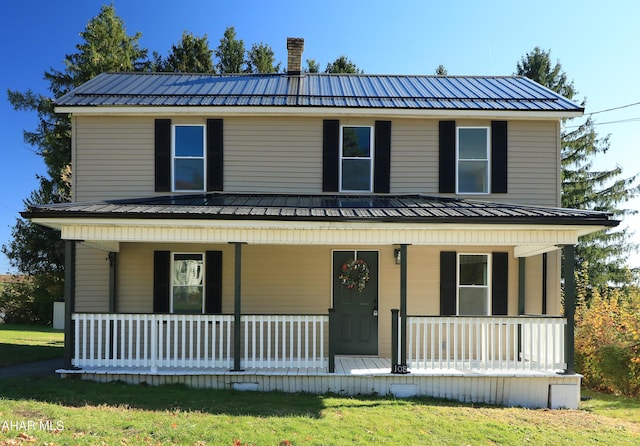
(473, 163)
(356, 159)
(187, 283)
(188, 158)
(473, 285)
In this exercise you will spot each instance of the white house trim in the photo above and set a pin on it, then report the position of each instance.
(105, 234)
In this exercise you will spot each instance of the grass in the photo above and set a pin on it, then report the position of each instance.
(91, 413)
(29, 343)
(48, 410)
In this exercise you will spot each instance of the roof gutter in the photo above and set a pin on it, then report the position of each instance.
(117, 110)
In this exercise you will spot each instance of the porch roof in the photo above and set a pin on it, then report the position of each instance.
(329, 208)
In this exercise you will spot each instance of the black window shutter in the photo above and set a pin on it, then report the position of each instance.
(447, 161)
(499, 157)
(330, 155)
(163, 155)
(382, 163)
(500, 283)
(213, 282)
(448, 283)
(215, 155)
(161, 281)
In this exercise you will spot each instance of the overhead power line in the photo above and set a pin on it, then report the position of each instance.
(613, 108)
(618, 121)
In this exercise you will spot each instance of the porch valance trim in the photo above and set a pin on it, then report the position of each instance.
(529, 240)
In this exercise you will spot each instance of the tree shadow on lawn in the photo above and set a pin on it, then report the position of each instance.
(19, 354)
(77, 393)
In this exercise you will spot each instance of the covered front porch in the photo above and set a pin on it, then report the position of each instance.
(271, 323)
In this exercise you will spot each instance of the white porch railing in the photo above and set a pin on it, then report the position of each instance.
(486, 343)
(152, 340)
(200, 341)
(285, 341)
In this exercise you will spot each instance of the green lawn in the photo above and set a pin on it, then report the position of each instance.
(91, 413)
(28, 343)
(52, 411)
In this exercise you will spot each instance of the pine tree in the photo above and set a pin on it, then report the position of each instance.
(36, 251)
(343, 65)
(191, 55)
(261, 59)
(230, 53)
(604, 253)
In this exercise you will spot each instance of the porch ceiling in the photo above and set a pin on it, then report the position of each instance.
(320, 219)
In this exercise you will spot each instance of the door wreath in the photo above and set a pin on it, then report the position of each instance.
(354, 274)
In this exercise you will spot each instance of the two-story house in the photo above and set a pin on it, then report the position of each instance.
(321, 233)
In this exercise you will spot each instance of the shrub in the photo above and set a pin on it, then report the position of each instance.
(608, 343)
(28, 301)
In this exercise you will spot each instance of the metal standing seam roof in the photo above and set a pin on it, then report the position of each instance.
(508, 93)
(352, 208)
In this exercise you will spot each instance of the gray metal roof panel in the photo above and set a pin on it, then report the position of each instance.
(364, 208)
(317, 90)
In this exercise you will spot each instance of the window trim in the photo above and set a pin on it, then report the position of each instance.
(487, 160)
(174, 157)
(371, 158)
(172, 277)
(488, 287)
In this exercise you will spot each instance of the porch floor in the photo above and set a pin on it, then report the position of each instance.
(344, 366)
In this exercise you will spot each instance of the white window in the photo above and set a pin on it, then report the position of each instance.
(187, 283)
(472, 150)
(473, 285)
(188, 145)
(356, 159)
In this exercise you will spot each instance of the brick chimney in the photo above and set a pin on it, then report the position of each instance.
(295, 45)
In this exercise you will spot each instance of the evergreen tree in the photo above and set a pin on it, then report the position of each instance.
(312, 66)
(342, 65)
(36, 251)
(261, 59)
(441, 71)
(602, 254)
(230, 53)
(191, 55)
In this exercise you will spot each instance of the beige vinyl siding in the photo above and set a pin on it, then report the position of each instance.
(534, 284)
(273, 155)
(414, 156)
(533, 163)
(92, 280)
(114, 157)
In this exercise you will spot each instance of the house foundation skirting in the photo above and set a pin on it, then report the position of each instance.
(525, 389)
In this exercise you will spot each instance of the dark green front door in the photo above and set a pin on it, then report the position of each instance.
(356, 310)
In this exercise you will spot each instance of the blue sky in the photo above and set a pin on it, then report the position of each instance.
(596, 42)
